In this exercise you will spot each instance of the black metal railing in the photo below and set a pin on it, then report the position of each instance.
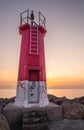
(25, 18)
(42, 20)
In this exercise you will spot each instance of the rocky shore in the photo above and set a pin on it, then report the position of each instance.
(72, 117)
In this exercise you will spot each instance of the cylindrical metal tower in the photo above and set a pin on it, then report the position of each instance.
(31, 87)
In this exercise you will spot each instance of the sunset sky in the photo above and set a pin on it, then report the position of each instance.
(64, 41)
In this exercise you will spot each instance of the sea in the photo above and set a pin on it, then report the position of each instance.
(69, 93)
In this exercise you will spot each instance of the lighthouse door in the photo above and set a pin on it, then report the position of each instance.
(33, 91)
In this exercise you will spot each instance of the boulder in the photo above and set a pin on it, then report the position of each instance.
(75, 111)
(79, 100)
(4, 102)
(65, 107)
(14, 117)
(17, 118)
(34, 120)
(52, 98)
(66, 124)
(57, 100)
(61, 100)
(54, 113)
(3, 123)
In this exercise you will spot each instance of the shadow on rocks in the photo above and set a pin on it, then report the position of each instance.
(14, 118)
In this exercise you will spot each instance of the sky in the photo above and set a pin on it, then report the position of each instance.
(64, 41)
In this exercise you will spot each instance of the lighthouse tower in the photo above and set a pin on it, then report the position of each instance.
(31, 86)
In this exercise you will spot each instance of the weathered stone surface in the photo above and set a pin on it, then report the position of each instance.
(79, 100)
(75, 111)
(65, 107)
(3, 123)
(52, 98)
(58, 100)
(55, 113)
(15, 114)
(35, 120)
(14, 117)
(67, 125)
(4, 102)
(39, 126)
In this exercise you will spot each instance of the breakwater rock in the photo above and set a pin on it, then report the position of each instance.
(3, 123)
(71, 108)
(4, 102)
(67, 115)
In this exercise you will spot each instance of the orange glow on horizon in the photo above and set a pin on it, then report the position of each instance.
(64, 81)
(8, 79)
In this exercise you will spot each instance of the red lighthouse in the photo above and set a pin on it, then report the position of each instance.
(31, 87)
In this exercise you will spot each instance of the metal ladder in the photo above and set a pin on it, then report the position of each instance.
(33, 39)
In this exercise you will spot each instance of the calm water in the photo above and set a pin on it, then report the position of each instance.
(69, 93)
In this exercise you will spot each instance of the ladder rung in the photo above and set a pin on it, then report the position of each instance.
(34, 49)
(33, 36)
(34, 53)
(34, 45)
(35, 41)
(35, 29)
(34, 26)
(33, 32)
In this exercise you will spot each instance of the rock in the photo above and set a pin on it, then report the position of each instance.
(66, 124)
(14, 117)
(75, 111)
(52, 98)
(3, 123)
(17, 118)
(78, 100)
(10, 100)
(59, 114)
(57, 100)
(4, 102)
(71, 108)
(65, 107)
(35, 120)
(54, 112)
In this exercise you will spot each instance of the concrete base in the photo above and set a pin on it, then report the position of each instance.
(18, 118)
(53, 111)
(31, 94)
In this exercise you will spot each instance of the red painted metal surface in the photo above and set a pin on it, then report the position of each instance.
(34, 63)
(33, 75)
